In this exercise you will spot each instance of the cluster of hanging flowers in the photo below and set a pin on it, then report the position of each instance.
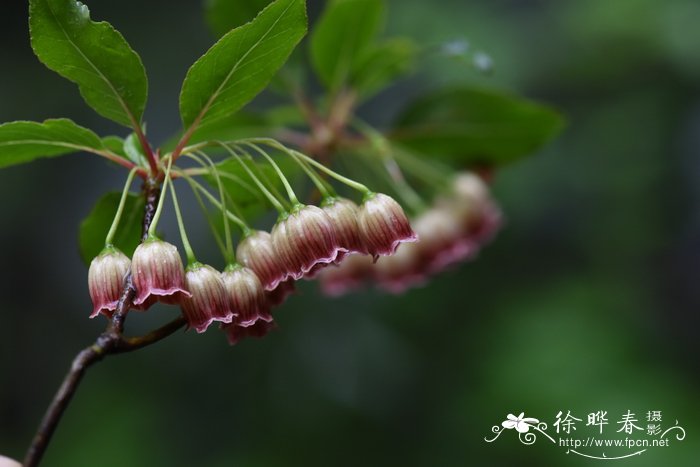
(451, 231)
(260, 273)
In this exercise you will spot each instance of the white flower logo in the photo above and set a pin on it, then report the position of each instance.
(521, 424)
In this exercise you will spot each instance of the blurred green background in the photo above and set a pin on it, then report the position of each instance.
(587, 300)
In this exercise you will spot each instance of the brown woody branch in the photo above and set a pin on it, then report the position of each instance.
(111, 341)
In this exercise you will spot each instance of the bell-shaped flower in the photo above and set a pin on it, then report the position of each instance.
(106, 280)
(304, 238)
(471, 204)
(209, 301)
(256, 252)
(442, 242)
(157, 273)
(343, 213)
(468, 186)
(400, 271)
(487, 224)
(383, 225)
(246, 295)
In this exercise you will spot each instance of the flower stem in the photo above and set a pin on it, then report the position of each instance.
(402, 187)
(201, 157)
(290, 192)
(351, 183)
(191, 259)
(275, 203)
(323, 187)
(210, 221)
(120, 210)
(277, 145)
(431, 173)
(384, 150)
(263, 177)
(196, 186)
(227, 227)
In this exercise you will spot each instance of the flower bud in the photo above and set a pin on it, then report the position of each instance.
(246, 295)
(305, 238)
(383, 225)
(343, 213)
(473, 207)
(441, 240)
(350, 274)
(234, 332)
(209, 301)
(487, 224)
(157, 272)
(468, 186)
(106, 280)
(256, 252)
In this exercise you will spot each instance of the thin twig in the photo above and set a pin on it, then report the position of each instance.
(106, 344)
(129, 344)
(111, 341)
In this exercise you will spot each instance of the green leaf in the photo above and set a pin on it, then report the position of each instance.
(285, 116)
(382, 64)
(134, 150)
(241, 64)
(95, 226)
(471, 126)
(342, 36)
(23, 141)
(237, 126)
(115, 144)
(95, 56)
(242, 188)
(244, 125)
(224, 15)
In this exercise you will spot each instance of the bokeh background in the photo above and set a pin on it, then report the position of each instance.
(587, 300)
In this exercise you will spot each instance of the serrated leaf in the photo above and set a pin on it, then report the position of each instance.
(24, 141)
(94, 228)
(342, 35)
(94, 55)
(472, 126)
(382, 64)
(241, 64)
(224, 15)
